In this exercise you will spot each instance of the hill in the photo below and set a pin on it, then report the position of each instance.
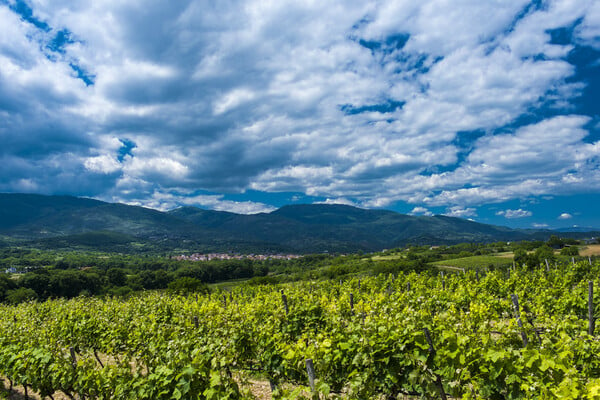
(320, 227)
(71, 222)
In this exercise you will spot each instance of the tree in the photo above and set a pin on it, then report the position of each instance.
(545, 253)
(570, 251)
(38, 282)
(116, 276)
(520, 256)
(555, 242)
(186, 284)
(6, 284)
(20, 295)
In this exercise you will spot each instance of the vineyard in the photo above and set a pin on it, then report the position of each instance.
(518, 334)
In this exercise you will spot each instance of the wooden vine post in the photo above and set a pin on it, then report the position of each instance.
(73, 362)
(515, 301)
(438, 379)
(73, 357)
(591, 319)
(310, 369)
(272, 385)
(285, 303)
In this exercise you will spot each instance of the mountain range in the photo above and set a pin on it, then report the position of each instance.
(72, 222)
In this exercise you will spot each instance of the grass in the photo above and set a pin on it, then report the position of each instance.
(506, 254)
(474, 262)
(387, 258)
(224, 285)
(590, 250)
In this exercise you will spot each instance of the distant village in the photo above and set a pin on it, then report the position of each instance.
(226, 256)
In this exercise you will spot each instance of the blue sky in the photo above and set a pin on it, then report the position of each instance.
(483, 110)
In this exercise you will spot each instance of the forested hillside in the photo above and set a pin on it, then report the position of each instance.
(70, 223)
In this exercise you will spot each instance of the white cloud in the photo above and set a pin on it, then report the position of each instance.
(524, 163)
(421, 211)
(441, 27)
(565, 216)
(156, 167)
(27, 185)
(589, 30)
(460, 212)
(539, 226)
(519, 213)
(105, 164)
(340, 200)
(233, 99)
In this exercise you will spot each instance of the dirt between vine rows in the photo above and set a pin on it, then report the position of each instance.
(18, 393)
(261, 390)
(258, 387)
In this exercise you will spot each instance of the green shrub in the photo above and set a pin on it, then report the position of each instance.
(20, 295)
(570, 251)
(186, 284)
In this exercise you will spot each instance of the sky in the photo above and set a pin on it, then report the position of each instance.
(487, 110)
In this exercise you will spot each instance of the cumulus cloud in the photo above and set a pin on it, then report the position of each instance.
(589, 30)
(368, 103)
(565, 216)
(105, 164)
(519, 213)
(460, 212)
(547, 157)
(421, 211)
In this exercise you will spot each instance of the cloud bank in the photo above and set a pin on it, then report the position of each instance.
(368, 103)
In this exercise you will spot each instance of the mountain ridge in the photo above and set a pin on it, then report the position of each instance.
(61, 221)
